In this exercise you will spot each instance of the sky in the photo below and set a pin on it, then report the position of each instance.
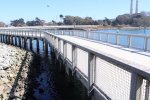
(51, 9)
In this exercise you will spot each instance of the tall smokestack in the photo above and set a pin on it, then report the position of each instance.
(131, 7)
(136, 9)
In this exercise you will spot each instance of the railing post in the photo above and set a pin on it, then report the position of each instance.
(28, 33)
(30, 43)
(88, 34)
(65, 49)
(107, 37)
(91, 69)
(145, 43)
(136, 87)
(74, 56)
(117, 39)
(59, 46)
(147, 92)
(133, 86)
(62, 32)
(129, 41)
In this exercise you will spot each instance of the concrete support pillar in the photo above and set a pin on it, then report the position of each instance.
(16, 40)
(4, 38)
(37, 43)
(25, 43)
(1, 37)
(19, 38)
(8, 39)
(30, 44)
(46, 47)
(12, 40)
(65, 49)
(43, 44)
(22, 42)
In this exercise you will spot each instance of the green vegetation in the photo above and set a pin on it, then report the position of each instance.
(137, 20)
(18, 22)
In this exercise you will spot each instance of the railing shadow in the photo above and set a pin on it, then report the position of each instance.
(15, 84)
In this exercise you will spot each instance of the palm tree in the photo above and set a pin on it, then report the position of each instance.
(61, 17)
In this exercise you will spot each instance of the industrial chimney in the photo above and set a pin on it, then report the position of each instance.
(136, 9)
(131, 7)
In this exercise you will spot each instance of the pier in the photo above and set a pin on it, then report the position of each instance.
(108, 70)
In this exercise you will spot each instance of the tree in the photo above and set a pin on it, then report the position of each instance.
(2, 24)
(122, 20)
(107, 21)
(36, 22)
(88, 21)
(18, 22)
(61, 17)
(68, 20)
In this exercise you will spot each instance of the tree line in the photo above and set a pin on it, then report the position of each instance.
(137, 20)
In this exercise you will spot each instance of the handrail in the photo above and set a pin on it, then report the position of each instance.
(135, 41)
(137, 74)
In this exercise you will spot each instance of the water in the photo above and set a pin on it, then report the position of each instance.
(137, 42)
(128, 31)
(47, 82)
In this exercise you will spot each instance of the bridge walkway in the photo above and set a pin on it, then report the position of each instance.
(135, 58)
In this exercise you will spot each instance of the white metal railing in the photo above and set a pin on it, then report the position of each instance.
(136, 41)
(116, 80)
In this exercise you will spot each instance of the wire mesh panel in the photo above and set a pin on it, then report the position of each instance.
(143, 90)
(82, 61)
(69, 51)
(112, 80)
(56, 43)
(61, 46)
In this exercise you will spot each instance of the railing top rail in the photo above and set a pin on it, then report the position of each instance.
(123, 34)
(110, 33)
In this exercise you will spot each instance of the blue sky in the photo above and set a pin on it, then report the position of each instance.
(97, 9)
